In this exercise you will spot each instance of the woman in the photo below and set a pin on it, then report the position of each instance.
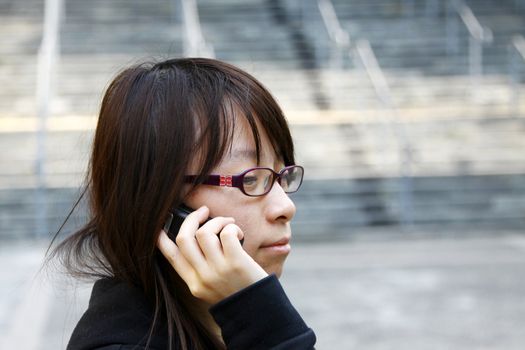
(204, 134)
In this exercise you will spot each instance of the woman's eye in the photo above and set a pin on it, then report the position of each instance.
(250, 181)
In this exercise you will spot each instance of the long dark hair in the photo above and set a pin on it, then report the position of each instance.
(153, 118)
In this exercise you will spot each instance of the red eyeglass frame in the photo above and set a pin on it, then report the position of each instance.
(237, 180)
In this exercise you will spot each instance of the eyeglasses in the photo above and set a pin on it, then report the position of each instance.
(257, 181)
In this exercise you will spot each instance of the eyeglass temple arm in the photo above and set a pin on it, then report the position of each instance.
(218, 180)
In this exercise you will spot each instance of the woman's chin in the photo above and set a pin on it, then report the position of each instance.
(276, 269)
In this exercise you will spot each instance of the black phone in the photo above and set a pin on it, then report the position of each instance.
(175, 218)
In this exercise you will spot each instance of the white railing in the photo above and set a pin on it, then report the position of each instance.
(516, 59)
(362, 51)
(391, 117)
(478, 36)
(194, 43)
(338, 36)
(48, 55)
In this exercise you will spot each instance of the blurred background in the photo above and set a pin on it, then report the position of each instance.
(408, 116)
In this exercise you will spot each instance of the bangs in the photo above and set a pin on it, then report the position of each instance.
(216, 94)
(237, 95)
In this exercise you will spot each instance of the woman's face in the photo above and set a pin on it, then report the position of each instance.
(264, 220)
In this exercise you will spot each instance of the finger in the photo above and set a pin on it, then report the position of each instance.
(231, 235)
(209, 241)
(172, 253)
(186, 241)
(196, 218)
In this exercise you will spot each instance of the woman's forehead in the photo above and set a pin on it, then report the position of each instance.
(243, 153)
(243, 147)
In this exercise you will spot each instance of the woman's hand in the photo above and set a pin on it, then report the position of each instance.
(212, 268)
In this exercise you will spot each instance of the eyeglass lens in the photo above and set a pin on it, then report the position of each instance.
(260, 181)
(291, 179)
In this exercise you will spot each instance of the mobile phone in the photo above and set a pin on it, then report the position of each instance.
(175, 219)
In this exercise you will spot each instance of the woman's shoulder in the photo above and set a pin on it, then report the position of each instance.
(116, 294)
(118, 314)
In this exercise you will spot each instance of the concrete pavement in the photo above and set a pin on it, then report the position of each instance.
(420, 293)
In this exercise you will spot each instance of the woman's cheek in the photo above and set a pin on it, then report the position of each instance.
(249, 246)
(248, 234)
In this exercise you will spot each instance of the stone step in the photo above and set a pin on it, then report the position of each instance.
(328, 206)
(257, 53)
(389, 9)
(372, 147)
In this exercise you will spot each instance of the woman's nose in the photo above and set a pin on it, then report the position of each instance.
(280, 206)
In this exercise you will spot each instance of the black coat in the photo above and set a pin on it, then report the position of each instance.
(257, 317)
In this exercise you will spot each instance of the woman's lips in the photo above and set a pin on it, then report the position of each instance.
(281, 246)
(282, 241)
